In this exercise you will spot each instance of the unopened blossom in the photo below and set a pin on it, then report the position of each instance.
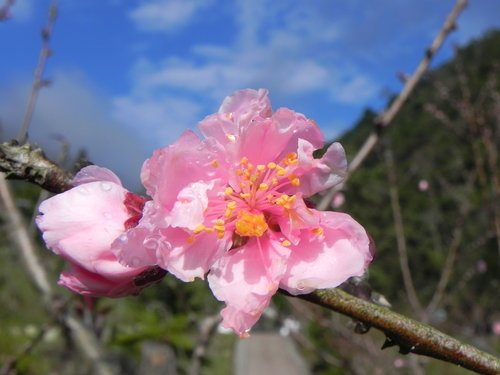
(232, 205)
(81, 224)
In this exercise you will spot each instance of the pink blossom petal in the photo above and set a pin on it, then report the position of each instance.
(320, 174)
(81, 223)
(93, 173)
(298, 217)
(240, 321)
(246, 105)
(172, 168)
(192, 202)
(246, 278)
(327, 261)
(221, 127)
(188, 261)
(295, 126)
(136, 248)
(81, 281)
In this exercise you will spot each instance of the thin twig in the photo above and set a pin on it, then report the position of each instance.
(385, 119)
(11, 364)
(5, 10)
(208, 327)
(38, 81)
(400, 235)
(411, 336)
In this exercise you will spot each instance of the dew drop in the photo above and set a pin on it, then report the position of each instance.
(301, 285)
(135, 262)
(150, 243)
(106, 186)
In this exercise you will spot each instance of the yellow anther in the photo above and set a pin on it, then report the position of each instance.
(200, 228)
(219, 222)
(231, 205)
(261, 167)
(291, 159)
(228, 213)
(263, 186)
(274, 181)
(286, 243)
(286, 201)
(231, 137)
(220, 235)
(219, 228)
(244, 160)
(318, 231)
(271, 165)
(294, 180)
(281, 171)
(250, 225)
(214, 163)
(228, 191)
(245, 195)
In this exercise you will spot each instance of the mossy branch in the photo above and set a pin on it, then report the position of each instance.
(411, 336)
(25, 162)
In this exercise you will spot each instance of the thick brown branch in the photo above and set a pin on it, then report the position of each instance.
(23, 162)
(411, 336)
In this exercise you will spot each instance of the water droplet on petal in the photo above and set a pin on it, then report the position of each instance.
(135, 262)
(150, 243)
(301, 285)
(83, 190)
(123, 238)
(106, 186)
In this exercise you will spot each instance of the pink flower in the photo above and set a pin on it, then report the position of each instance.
(423, 185)
(80, 225)
(233, 205)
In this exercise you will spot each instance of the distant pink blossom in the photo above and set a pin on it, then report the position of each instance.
(81, 224)
(338, 200)
(399, 363)
(423, 185)
(496, 328)
(232, 204)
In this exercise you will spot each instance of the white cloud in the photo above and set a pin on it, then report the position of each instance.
(356, 90)
(283, 58)
(74, 109)
(165, 15)
(161, 119)
(285, 47)
(22, 10)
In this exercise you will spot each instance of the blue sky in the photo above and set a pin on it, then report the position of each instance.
(130, 76)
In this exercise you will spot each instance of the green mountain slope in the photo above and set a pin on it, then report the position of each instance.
(448, 135)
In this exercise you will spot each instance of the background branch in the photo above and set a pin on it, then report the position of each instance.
(385, 118)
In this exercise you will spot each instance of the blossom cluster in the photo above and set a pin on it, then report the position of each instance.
(229, 207)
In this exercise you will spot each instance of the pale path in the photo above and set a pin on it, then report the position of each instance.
(266, 353)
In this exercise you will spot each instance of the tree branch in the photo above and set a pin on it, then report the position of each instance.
(411, 336)
(24, 162)
(385, 118)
